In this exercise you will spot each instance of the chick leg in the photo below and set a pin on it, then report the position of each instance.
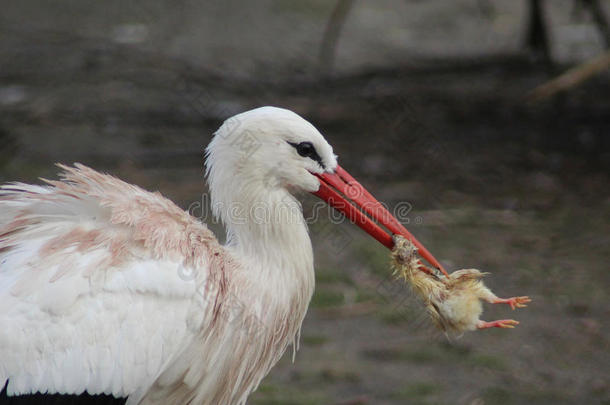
(502, 323)
(514, 302)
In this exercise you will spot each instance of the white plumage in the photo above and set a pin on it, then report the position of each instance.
(107, 288)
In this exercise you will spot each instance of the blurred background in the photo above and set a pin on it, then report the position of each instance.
(434, 105)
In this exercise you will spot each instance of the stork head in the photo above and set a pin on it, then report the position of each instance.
(269, 149)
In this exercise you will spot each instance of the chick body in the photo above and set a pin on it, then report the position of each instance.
(461, 309)
(454, 302)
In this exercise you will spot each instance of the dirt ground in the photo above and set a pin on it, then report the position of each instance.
(426, 117)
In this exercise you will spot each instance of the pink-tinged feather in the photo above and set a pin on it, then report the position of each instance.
(93, 226)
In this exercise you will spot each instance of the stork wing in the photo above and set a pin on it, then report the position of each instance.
(100, 284)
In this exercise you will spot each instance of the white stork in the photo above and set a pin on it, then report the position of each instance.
(107, 288)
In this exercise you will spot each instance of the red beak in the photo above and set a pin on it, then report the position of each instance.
(338, 188)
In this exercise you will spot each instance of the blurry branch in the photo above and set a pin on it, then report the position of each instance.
(571, 78)
(537, 39)
(600, 19)
(331, 34)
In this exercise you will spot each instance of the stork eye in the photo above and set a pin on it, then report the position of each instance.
(306, 149)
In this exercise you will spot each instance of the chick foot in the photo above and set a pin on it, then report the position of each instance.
(502, 323)
(514, 302)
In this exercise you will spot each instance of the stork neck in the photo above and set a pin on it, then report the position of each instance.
(269, 226)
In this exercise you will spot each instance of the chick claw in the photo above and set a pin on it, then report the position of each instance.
(514, 302)
(502, 323)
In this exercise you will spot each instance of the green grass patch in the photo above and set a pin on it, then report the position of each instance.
(267, 389)
(332, 276)
(286, 396)
(419, 393)
(376, 258)
(331, 375)
(323, 298)
(395, 316)
(423, 356)
(314, 340)
(439, 353)
(487, 361)
(497, 396)
(363, 295)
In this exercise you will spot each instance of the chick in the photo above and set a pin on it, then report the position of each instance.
(453, 302)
